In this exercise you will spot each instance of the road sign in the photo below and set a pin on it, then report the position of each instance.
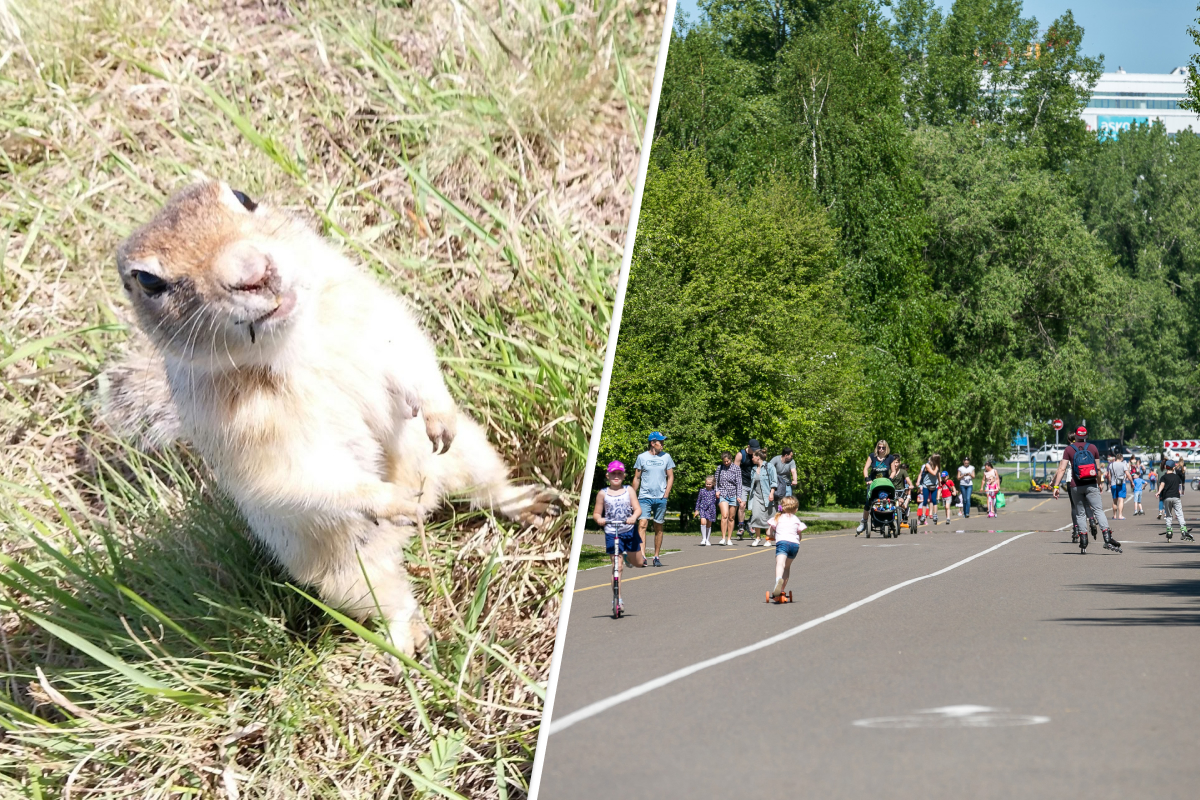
(1058, 424)
(1181, 444)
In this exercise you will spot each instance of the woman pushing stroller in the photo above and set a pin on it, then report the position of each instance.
(880, 464)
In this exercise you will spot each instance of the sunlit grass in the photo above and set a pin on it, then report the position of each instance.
(481, 159)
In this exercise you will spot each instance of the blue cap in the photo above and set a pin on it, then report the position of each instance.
(1170, 464)
(945, 475)
(657, 437)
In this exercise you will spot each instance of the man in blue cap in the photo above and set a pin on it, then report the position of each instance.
(653, 475)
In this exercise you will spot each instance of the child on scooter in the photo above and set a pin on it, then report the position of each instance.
(787, 528)
(617, 510)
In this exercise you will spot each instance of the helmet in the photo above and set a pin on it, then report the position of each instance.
(615, 466)
(657, 437)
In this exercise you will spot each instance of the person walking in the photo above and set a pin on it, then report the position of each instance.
(1168, 492)
(966, 482)
(880, 464)
(745, 461)
(653, 475)
(904, 486)
(706, 508)
(761, 496)
(730, 493)
(991, 486)
(947, 490)
(929, 481)
(784, 465)
(1118, 472)
(1082, 459)
(1139, 483)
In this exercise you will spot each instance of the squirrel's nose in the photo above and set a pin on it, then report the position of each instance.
(245, 268)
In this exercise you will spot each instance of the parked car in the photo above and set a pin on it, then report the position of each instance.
(1049, 452)
(1191, 456)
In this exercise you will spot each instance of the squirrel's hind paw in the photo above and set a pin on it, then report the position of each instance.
(531, 505)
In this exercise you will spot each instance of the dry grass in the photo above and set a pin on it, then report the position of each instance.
(479, 157)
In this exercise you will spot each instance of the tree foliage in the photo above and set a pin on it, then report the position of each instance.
(916, 192)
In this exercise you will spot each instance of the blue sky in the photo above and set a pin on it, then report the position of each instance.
(1145, 36)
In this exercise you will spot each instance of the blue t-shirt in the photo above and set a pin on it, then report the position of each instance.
(1138, 483)
(654, 474)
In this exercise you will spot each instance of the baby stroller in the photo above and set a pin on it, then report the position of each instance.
(884, 513)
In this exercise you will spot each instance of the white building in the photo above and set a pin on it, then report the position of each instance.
(1122, 98)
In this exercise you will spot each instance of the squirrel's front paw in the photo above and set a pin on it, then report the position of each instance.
(441, 426)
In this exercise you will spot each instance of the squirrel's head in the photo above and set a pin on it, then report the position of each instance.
(216, 278)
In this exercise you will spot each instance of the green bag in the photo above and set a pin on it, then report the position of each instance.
(1000, 500)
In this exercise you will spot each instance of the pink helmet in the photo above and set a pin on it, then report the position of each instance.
(616, 466)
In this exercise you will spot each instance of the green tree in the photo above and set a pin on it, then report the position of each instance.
(733, 328)
(1023, 285)
(1139, 195)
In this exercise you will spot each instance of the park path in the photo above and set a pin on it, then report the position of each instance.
(1010, 667)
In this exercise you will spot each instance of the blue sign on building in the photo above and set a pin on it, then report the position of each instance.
(1112, 126)
(1021, 440)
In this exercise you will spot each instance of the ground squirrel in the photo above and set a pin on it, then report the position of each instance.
(309, 389)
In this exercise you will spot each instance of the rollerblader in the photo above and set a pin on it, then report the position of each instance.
(1083, 461)
(1168, 492)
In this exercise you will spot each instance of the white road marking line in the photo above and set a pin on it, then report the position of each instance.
(559, 725)
(954, 717)
(1063, 528)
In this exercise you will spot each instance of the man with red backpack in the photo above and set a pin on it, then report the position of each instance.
(1083, 461)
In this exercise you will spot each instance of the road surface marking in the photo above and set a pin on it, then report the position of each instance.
(759, 551)
(954, 717)
(559, 725)
(689, 566)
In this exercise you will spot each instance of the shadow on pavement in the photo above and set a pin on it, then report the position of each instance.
(1183, 589)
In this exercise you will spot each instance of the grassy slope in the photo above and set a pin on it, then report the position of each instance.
(481, 159)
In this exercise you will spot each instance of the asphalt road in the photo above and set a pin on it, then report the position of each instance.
(1029, 671)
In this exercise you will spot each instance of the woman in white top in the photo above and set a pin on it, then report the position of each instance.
(787, 528)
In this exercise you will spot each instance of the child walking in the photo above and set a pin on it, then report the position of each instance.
(706, 509)
(787, 528)
(1139, 483)
(618, 510)
(991, 486)
(948, 491)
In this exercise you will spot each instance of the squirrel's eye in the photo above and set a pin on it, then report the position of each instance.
(245, 200)
(150, 282)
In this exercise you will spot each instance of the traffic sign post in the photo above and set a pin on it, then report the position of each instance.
(1057, 428)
